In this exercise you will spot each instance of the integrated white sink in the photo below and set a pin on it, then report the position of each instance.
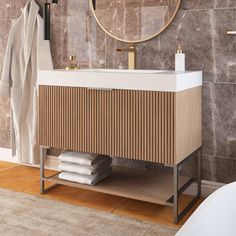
(149, 80)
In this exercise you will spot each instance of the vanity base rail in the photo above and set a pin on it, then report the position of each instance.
(162, 187)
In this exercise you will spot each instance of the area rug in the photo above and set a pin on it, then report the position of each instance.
(23, 215)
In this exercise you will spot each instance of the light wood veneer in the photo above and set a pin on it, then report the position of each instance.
(161, 127)
(148, 186)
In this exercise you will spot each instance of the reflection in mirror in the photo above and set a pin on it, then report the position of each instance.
(134, 20)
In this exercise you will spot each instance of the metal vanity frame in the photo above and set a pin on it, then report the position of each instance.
(172, 202)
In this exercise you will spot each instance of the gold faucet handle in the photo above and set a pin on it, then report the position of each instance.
(131, 48)
(131, 55)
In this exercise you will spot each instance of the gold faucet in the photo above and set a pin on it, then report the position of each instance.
(131, 56)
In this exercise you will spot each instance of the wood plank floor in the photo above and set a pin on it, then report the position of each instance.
(26, 179)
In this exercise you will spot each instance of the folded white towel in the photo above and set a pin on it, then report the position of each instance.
(85, 169)
(85, 179)
(82, 158)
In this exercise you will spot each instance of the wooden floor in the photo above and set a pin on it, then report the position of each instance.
(26, 179)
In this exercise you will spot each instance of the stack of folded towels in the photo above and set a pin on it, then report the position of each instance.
(84, 168)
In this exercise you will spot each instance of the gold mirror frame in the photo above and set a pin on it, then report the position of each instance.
(135, 41)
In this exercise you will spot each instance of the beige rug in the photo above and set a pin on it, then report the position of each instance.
(23, 215)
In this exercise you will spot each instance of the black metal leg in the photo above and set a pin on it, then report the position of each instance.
(43, 152)
(199, 171)
(176, 197)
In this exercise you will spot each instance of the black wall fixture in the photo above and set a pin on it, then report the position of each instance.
(94, 5)
(46, 18)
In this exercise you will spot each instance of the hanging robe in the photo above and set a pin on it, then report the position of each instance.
(26, 53)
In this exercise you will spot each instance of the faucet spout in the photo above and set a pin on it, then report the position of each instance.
(131, 56)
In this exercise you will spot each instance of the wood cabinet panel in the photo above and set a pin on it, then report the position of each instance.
(138, 125)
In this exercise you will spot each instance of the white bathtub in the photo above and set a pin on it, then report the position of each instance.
(216, 216)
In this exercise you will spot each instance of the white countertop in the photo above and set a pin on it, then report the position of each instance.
(149, 80)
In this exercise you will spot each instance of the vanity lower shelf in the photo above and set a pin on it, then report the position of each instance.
(148, 186)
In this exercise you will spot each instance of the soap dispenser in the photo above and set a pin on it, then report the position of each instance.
(179, 59)
(72, 64)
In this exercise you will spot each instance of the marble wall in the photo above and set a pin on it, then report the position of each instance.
(200, 27)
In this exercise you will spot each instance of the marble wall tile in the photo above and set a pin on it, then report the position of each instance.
(171, 11)
(174, 2)
(18, 5)
(151, 56)
(68, 39)
(232, 145)
(208, 170)
(218, 169)
(133, 3)
(97, 39)
(206, 4)
(225, 170)
(5, 28)
(224, 109)
(153, 19)
(5, 10)
(101, 4)
(120, 21)
(113, 58)
(105, 16)
(224, 45)
(5, 113)
(131, 20)
(225, 4)
(209, 139)
(16, 8)
(158, 3)
(4, 138)
(197, 4)
(4, 103)
(59, 44)
(69, 8)
(110, 4)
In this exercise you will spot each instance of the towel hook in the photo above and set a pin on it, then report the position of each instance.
(46, 18)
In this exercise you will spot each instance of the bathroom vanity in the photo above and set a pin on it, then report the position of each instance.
(153, 116)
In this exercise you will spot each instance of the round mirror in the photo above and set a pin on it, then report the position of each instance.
(134, 21)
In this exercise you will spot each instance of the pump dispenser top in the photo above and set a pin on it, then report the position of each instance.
(179, 49)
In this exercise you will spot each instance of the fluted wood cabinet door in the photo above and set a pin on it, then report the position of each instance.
(138, 125)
